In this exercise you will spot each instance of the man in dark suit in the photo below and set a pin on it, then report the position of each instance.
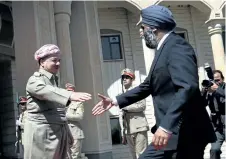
(183, 127)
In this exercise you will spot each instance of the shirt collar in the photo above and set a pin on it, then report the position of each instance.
(163, 39)
(46, 73)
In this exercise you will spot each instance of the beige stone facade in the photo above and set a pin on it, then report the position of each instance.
(80, 28)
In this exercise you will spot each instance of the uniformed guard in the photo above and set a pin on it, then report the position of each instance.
(47, 135)
(22, 117)
(132, 119)
(74, 115)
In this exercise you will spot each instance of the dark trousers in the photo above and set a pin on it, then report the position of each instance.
(194, 151)
(215, 150)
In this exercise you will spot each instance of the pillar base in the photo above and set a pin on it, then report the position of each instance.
(105, 155)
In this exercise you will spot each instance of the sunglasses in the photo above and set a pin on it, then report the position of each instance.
(126, 77)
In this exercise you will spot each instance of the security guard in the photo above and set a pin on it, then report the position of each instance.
(20, 122)
(74, 115)
(23, 116)
(47, 135)
(132, 119)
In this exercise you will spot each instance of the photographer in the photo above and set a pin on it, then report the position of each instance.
(215, 99)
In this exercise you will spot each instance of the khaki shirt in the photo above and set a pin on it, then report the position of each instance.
(74, 115)
(46, 102)
(22, 119)
(132, 118)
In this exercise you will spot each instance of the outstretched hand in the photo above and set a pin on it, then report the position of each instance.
(80, 96)
(103, 105)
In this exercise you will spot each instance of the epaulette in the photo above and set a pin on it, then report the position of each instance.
(37, 74)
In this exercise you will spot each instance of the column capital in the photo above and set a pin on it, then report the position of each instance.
(215, 25)
(62, 7)
(62, 11)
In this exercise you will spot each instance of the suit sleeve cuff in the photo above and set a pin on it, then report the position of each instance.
(115, 102)
(167, 131)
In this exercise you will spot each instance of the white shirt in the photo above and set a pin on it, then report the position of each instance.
(115, 102)
(163, 39)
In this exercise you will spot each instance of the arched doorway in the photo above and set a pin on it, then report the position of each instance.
(7, 74)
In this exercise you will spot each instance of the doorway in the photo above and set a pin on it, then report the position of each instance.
(7, 115)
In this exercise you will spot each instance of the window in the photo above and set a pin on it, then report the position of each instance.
(6, 33)
(182, 32)
(115, 131)
(183, 35)
(111, 47)
(6, 29)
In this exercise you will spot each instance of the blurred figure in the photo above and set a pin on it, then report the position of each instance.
(22, 101)
(23, 116)
(132, 119)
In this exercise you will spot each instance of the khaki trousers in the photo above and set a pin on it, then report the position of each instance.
(137, 142)
(46, 141)
(76, 149)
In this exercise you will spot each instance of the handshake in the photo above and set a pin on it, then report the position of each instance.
(77, 96)
(105, 104)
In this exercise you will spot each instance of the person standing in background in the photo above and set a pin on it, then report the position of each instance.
(134, 125)
(23, 116)
(215, 98)
(22, 101)
(74, 114)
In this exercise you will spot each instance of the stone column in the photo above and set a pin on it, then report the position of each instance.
(86, 48)
(62, 12)
(215, 32)
(33, 24)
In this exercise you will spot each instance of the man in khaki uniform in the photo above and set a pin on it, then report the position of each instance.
(74, 115)
(132, 119)
(47, 135)
(20, 126)
(22, 117)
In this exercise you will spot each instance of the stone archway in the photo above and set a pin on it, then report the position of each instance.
(8, 110)
(201, 5)
(129, 5)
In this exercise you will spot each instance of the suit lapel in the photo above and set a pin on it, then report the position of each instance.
(157, 54)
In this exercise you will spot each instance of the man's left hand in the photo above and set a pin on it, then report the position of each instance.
(213, 88)
(160, 139)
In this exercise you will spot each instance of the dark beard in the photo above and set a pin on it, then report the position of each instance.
(150, 39)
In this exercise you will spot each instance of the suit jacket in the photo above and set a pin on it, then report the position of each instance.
(174, 85)
(74, 115)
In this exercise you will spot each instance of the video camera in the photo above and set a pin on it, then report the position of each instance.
(209, 71)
